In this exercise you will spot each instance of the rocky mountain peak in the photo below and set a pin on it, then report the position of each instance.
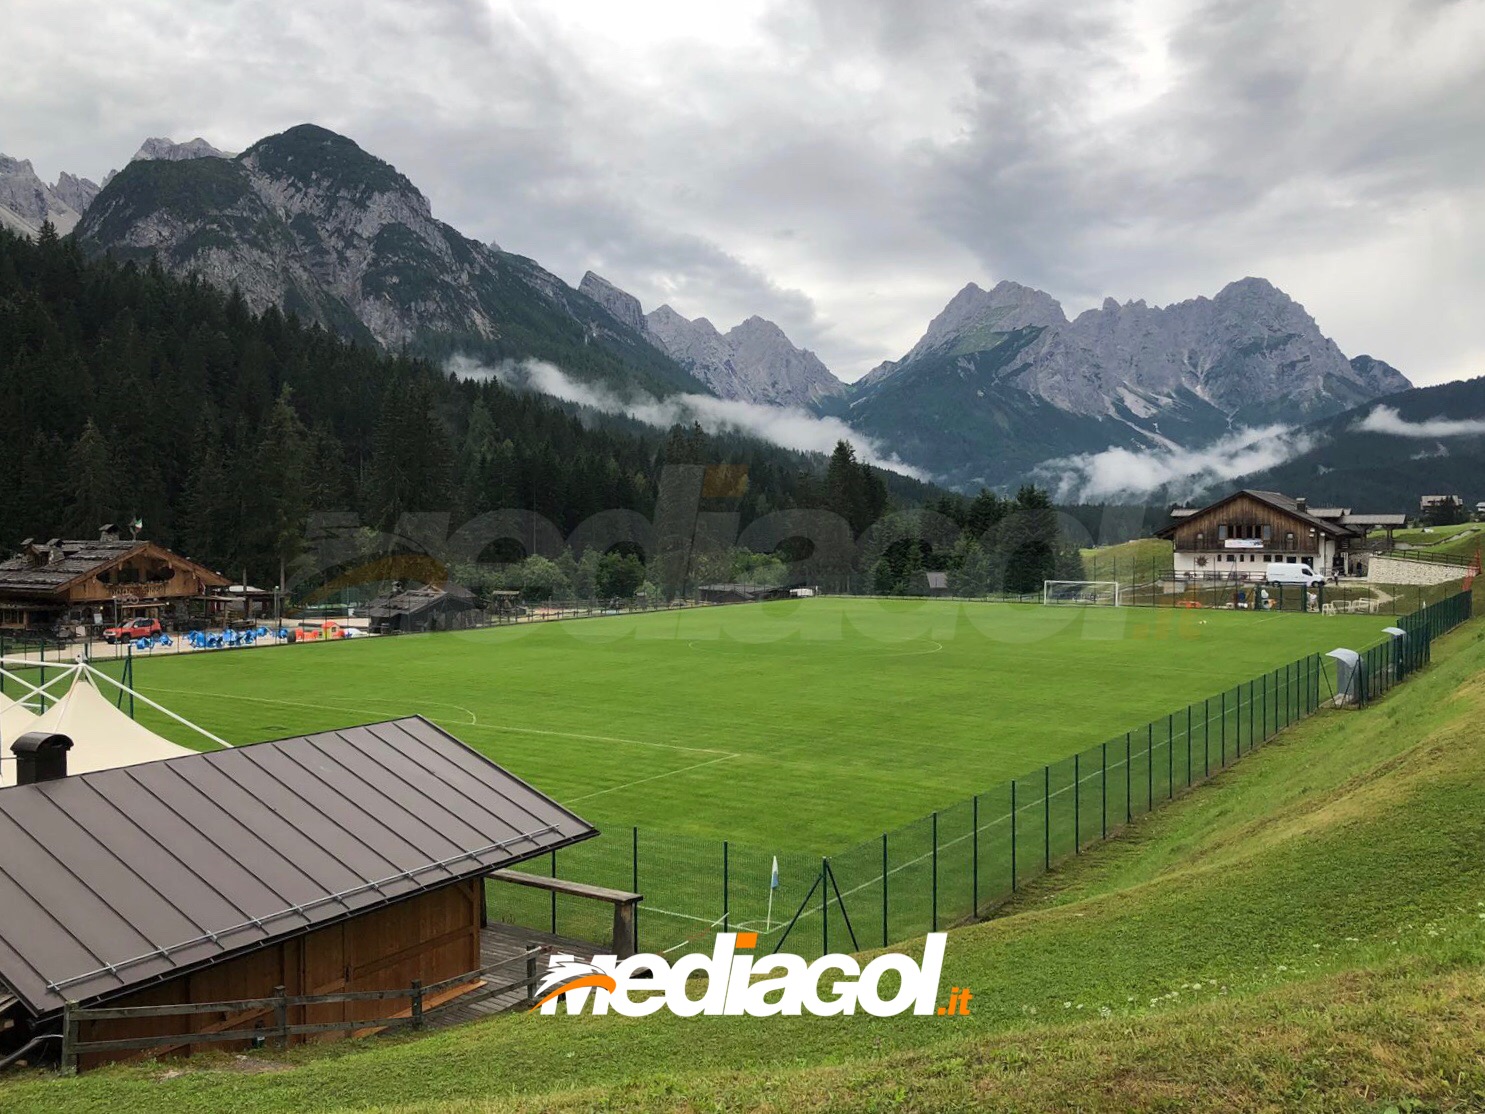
(755, 361)
(26, 202)
(307, 221)
(974, 317)
(160, 147)
(623, 305)
(77, 192)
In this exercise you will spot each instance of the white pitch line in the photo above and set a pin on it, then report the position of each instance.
(321, 704)
(605, 739)
(652, 777)
(473, 721)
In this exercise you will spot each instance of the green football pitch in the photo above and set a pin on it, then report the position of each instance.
(805, 724)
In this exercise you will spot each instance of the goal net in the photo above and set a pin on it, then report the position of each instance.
(1081, 591)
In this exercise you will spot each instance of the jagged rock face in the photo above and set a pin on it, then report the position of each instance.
(753, 361)
(1001, 375)
(775, 370)
(1251, 352)
(696, 344)
(975, 316)
(309, 222)
(76, 192)
(1249, 349)
(26, 202)
(168, 149)
(622, 305)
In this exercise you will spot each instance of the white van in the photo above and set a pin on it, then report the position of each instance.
(1281, 572)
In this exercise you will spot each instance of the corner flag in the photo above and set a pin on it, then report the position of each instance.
(773, 879)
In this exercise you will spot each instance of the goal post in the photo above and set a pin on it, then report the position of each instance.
(1088, 592)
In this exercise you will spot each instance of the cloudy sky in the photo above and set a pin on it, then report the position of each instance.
(845, 166)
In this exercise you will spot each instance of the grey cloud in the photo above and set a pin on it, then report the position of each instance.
(782, 425)
(844, 166)
(1386, 419)
(1116, 474)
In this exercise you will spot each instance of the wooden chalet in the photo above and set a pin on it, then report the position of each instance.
(1238, 536)
(96, 583)
(429, 608)
(340, 866)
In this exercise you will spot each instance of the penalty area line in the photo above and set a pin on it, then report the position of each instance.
(652, 777)
(320, 705)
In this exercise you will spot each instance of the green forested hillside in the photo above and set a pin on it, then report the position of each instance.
(1373, 471)
(126, 392)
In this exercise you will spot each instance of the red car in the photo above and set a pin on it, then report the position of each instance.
(133, 629)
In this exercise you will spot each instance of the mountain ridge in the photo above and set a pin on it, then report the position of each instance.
(1002, 375)
(754, 361)
(308, 221)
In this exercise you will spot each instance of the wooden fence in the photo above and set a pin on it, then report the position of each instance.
(279, 1004)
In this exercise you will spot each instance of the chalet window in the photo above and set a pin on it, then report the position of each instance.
(1199, 537)
(1222, 532)
(1268, 532)
(1289, 540)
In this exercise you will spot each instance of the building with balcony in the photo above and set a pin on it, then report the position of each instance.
(1237, 537)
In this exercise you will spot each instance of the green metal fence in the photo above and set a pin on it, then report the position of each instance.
(963, 860)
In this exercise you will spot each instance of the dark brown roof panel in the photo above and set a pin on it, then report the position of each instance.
(113, 879)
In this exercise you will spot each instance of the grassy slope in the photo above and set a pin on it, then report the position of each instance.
(1133, 562)
(1305, 931)
(737, 722)
(1463, 539)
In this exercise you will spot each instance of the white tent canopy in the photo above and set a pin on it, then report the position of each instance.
(15, 720)
(103, 737)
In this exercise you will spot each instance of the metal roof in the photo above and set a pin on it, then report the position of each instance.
(415, 601)
(47, 568)
(1278, 501)
(119, 878)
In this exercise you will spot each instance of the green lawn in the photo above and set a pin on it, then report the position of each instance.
(1305, 932)
(1462, 540)
(804, 725)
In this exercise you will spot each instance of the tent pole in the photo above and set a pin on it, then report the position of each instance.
(159, 708)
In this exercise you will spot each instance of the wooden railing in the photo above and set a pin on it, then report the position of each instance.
(1420, 553)
(279, 1004)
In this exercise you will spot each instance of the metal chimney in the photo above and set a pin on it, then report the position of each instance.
(40, 756)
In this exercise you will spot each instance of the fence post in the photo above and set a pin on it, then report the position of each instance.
(1252, 703)
(1149, 765)
(824, 907)
(531, 954)
(70, 1030)
(1013, 835)
(1077, 805)
(417, 1003)
(281, 1016)
(884, 889)
(634, 877)
(1170, 756)
(1224, 729)
(1128, 778)
(1103, 791)
(974, 885)
(1047, 817)
(935, 871)
(1188, 746)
